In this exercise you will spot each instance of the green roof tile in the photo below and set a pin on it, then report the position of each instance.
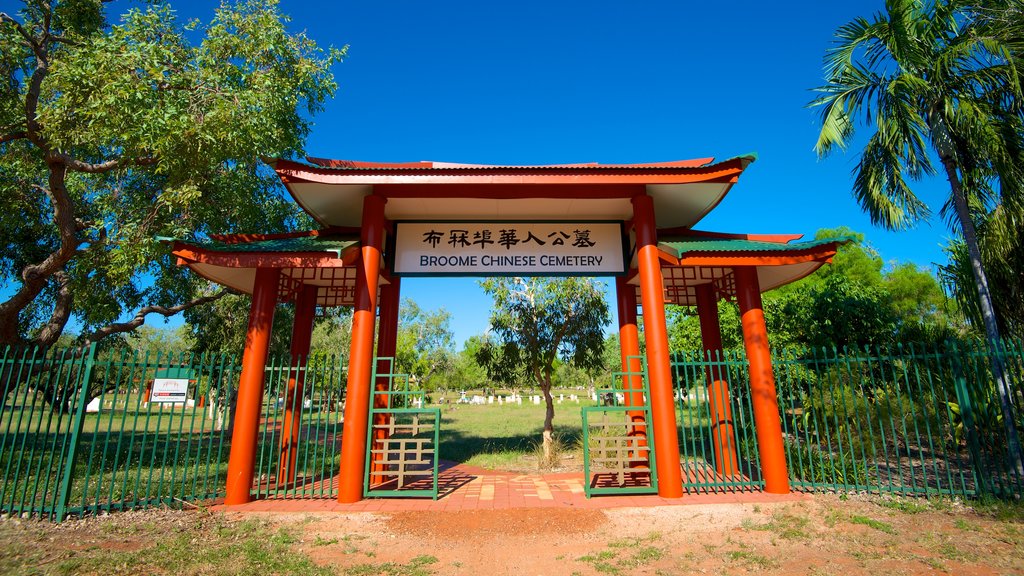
(686, 245)
(333, 244)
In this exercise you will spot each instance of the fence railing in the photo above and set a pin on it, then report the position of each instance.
(80, 431)
(905, 419)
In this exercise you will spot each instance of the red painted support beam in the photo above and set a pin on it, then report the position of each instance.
(387, 343)
(360, 362)
(242, 459)
(302, 336)
(652, 297)
(762, 382)
(629, 345)
(722, 437)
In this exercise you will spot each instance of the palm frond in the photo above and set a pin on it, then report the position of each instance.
(882, 191)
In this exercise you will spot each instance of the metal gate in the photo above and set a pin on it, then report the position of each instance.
(403, 437)
(717, 437)
(618, 454)
(299, 444)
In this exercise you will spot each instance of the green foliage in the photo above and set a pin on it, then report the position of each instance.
(1002, 252)
(934, 80)
(113, 135)
(537, 320)
(332, 335)
(425, 341)
(534, 321)
(812, 464)
(855, 301)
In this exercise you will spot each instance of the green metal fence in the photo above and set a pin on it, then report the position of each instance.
(80, 434)
(304, 463)
(904, 420)
(79, 431)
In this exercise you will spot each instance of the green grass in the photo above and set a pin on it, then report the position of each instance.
(504, 437)
(784, 525)
(418, 566)
(626, 555)
(872, 523)
(207, 545)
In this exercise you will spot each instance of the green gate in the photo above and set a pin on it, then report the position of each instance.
(402, 438)
(618, 454)
(298, 449)
(717, 436)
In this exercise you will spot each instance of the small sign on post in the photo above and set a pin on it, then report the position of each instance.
(169, 390)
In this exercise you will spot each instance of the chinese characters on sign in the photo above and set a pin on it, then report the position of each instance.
(571, 248)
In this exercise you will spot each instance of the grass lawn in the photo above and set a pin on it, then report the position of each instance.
(505, 437)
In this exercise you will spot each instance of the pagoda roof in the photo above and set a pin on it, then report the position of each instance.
(684, 191)
(694, 257)
(327, 258)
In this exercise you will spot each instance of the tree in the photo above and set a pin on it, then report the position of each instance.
(536, 320)
(113, 135)
(1002, 250)
(425, 343)
(930, 78)
(466, 372)
(855, 301)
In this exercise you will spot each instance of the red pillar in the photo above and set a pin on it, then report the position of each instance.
(629, 340)
(762, 382)
(720, 405)
(302, 336)
(663, 410)
(250, 387)
(360, 360)
(629, 345)
(387, 343)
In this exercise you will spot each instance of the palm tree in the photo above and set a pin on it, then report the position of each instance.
(933, 81)
(1002, 250)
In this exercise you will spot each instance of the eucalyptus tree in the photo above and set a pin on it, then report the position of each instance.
(536, 320)
(113, 135)
(933, 81)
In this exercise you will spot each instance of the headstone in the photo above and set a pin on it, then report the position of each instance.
(490, 399)
(93, 407)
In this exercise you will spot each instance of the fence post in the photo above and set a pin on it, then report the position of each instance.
(76, 431)
(963, 398)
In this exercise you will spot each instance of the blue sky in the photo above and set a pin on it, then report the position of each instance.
(532, 82)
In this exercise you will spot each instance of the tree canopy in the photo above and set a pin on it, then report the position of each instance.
(853, 302)
(934, 80)
(534, 321)
(112, 135)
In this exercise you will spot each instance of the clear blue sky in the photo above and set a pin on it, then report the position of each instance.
(533, 82)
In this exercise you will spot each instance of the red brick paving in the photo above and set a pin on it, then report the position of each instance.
(470, 488)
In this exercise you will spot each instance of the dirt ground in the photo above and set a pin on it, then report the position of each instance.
(819, 535)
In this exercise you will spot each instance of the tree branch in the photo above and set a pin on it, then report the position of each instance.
(13, 136)
(4, 17)
(61, 311)
(140, 317)
(89, 168)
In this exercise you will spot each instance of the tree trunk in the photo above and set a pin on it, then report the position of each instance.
(987, 314)
(549, 427)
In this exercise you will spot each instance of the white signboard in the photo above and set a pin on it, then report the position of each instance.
(169, 390)
(509, 248)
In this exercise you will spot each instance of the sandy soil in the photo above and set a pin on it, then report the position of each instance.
(822, 535)
(819, 535)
